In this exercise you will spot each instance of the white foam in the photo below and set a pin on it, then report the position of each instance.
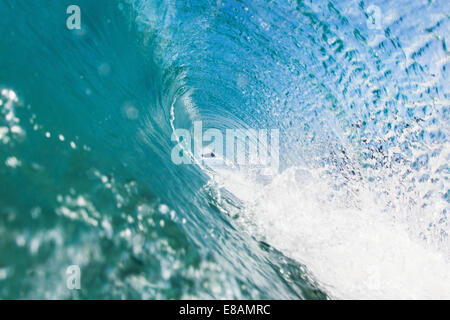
(353, 249)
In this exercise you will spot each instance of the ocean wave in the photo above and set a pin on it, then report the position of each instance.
(358, 209)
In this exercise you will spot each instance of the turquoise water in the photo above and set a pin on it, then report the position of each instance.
(359, 91)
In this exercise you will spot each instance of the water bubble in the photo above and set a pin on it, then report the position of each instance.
(104, 69)
(16, 130)
(130, 111)
(20, 240)
(3, 273)
(12, 162)
(163, 208)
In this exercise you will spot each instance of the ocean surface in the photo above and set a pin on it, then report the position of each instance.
(359, 91)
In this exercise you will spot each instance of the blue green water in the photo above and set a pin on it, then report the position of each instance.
(361, 100)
